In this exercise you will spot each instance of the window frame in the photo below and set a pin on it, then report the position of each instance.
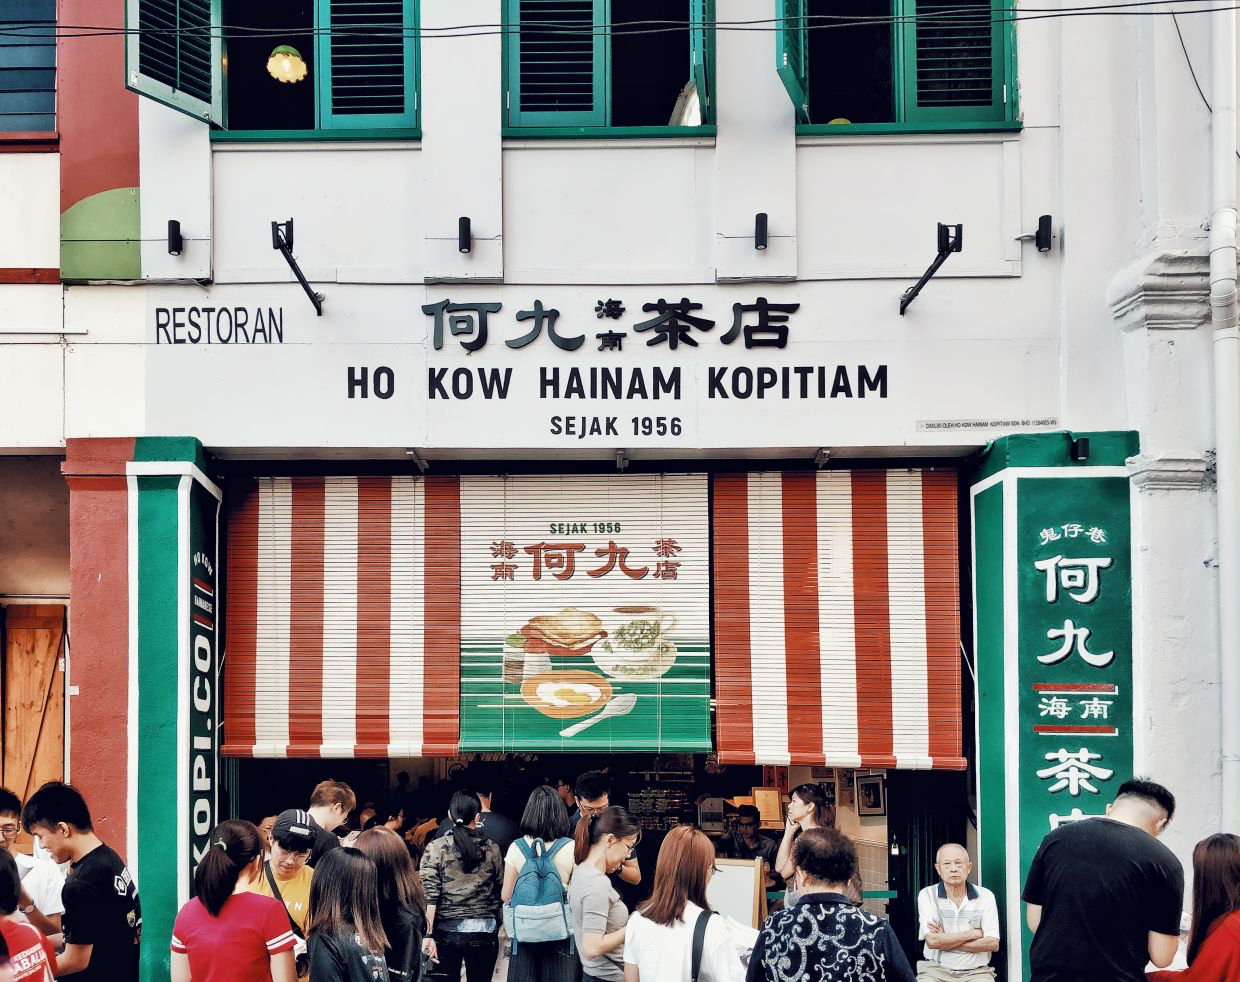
(34, 139)
(553, 125)
(326, 128)
(948, 119)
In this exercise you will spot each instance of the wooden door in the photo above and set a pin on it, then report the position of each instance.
(34, 698)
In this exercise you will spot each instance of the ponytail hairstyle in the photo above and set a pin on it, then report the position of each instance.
(233, 845)
(463, 809)
(582, 838)
(615, 821)
(590, 786)
(811, 794)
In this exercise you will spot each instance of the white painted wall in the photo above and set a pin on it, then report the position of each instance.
(29, 211)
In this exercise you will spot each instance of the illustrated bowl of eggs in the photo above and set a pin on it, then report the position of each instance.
(567, 693)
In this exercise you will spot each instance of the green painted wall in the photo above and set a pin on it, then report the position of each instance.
(100, 237)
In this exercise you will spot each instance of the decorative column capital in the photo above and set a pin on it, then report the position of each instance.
(1168, 291)
(1160, 472)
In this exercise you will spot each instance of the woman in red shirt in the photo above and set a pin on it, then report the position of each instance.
(31, 956)
(226, 934)
(1214, 945)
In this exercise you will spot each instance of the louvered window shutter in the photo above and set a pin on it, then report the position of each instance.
(792, 54)
(702, 47)
(28, 67)
(557, 62)
(367, 57)
(174, 55)
(954, 59)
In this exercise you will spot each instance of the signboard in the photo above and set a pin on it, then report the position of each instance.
(1052, 575)
(585, 613)
(203, 695)
(485, 366)
(1074, 577)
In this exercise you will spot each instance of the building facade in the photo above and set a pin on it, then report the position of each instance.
(438, 378)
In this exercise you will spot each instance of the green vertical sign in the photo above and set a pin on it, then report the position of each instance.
(1052, 573)
(1074, 699)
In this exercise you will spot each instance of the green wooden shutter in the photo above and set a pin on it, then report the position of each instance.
(702, 47)
(954, 61)
(174, 54)
(557, 62)
(28, 67)
(366, 53)
(792, 54)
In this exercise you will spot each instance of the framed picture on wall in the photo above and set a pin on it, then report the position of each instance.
(871, 795)
(770, 805)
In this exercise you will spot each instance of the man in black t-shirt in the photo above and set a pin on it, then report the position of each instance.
(1103, 896)
(102, 919)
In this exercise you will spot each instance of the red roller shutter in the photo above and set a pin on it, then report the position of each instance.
(343, 614)
(837, 618)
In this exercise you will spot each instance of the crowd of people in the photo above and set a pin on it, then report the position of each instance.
(307, 894)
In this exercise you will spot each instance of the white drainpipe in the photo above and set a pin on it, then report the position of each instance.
(1223, 316)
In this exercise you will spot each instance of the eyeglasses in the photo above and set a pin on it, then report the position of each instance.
(9, 831)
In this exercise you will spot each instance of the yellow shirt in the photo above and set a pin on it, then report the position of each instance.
(295, 891)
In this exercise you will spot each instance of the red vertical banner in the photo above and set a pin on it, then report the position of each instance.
(374, 614)
(801, 640)
(733, 683)
(241, 678)
(871, 612)
(305, 660)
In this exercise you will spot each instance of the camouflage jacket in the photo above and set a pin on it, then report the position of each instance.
(456, 893)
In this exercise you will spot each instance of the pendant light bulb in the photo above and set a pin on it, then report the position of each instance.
(286, 64)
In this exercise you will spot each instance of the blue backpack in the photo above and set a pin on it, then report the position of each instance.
(538, 911)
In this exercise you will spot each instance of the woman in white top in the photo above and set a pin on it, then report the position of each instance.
(658, 941)
(544, 819)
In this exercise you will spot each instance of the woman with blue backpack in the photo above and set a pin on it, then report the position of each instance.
(599, 915)
(537, 869)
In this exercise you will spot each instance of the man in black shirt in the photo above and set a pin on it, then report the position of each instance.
(1103, 896)
(330, 804)
(102, 919)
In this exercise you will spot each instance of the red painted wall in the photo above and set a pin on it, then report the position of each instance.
(97, 117)
(99, 629)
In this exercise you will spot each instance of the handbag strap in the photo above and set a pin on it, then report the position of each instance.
(699, 944)
(275, 892)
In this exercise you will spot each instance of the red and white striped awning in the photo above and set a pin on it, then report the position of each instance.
(343, 616)
(837, 618)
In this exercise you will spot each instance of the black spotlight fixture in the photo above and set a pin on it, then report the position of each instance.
(1042, 239)
(1080, 448)
(759, 231)
(175, 242)
(464, 237)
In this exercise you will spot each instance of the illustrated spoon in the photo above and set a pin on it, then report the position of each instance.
(619, 706)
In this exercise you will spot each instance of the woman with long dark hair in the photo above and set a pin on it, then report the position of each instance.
(402, 902)
(462, 874)
(1214, 944)
(346, 933)
(544, 831)
(807, 809)
(658, 939)
(226, 933)
(599, 915)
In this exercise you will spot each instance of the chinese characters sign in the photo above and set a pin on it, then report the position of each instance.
(584, 613)
(1074, 577)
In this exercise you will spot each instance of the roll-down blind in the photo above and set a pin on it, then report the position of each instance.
(585, 613)
(837, 607)
(343, 617)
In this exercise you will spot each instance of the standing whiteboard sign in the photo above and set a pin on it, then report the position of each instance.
(737, 891)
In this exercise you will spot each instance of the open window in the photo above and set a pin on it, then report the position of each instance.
(608, 65)
(321, 67)
(898, 64)
(280, 68)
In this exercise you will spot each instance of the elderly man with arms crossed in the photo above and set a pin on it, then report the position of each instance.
(959, 923)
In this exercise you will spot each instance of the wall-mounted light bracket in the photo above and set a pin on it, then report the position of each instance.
(1043, 238)
(821, 457)
(759, 231)
(464, 236)
(282, 242)
(622, 461)
(1079, 448)
(175, 242)
(950, 239)
(417, 459)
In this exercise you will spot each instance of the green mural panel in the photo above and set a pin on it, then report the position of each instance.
(100, 237)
